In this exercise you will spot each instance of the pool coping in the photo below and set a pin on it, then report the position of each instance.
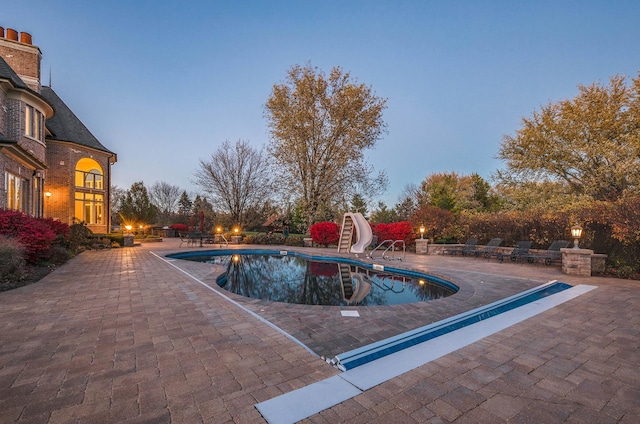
(314, 398)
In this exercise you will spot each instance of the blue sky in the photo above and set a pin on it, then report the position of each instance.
(164, 84)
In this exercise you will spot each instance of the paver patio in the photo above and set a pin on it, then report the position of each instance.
(123, 335)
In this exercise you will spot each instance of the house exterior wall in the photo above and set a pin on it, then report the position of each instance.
(61, 166)
(3, 115)
(29, 159)
(11, 127)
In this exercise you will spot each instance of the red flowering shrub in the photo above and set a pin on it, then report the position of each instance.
(179, 227)
(325, 233)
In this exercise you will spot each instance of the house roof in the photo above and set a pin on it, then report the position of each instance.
(65, 125)
(7, 72)
(13, 149)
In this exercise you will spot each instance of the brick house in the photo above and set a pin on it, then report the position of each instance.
(50, 163)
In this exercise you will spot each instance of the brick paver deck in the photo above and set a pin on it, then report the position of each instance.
(124, 336)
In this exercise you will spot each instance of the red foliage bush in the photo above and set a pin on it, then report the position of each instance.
(58, 227)
(325, 233)
(35, 234)
(179, 227)
(402, 230)
(323, 269)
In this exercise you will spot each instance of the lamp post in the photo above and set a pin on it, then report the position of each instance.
(576, 233)
(422, 230)
(128, 237)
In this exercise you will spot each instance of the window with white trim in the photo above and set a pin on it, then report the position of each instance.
(16, 191)
(33, 124)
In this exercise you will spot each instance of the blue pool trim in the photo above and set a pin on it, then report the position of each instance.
(415, 274)
(357, 357)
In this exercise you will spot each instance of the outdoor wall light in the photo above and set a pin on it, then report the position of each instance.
(422, 230)
(47, 194)
(576, 233)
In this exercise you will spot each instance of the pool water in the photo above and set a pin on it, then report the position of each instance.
(295, 278)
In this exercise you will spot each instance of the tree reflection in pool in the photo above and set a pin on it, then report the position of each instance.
(294, 279)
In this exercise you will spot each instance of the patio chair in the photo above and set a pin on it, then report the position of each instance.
(551, 255)
(469, 248)
(519, 252)
(184, 238)
(489, 249)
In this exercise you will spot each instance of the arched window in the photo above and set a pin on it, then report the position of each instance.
(89, 197)
(89, 174)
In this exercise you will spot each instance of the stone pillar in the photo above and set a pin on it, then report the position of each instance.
(422, 246)
(576, 262)
(236, 239)
(128, 240)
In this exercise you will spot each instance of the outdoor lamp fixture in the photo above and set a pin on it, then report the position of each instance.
(236, 230)
(218, 230)
(128, 228)
(47, 194)
(422, 229)
(576, 233)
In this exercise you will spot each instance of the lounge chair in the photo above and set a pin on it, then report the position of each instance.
(490, 248)
(521, 251)
(552, 254)
(469, 248)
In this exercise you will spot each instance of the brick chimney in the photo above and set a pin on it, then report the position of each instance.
(24, 58)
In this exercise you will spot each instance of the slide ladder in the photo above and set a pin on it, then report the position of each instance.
(350, 222)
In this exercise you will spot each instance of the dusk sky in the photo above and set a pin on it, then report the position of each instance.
(164, 84)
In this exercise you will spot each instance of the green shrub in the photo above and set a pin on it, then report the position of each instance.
(12, 261)
(79, 237)
(58, 255)
(294, 241)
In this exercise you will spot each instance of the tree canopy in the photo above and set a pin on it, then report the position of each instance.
(590, 144)
(453, 192)
(165, 197)
(136, 207)
(320, 126)
(236, 177)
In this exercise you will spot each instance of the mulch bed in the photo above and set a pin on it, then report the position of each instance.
(34, 275)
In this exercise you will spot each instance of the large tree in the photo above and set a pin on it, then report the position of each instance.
(136, 207)
(590, 144)
(165, 196)
(320, 126)
(453, 192)
(236, 178)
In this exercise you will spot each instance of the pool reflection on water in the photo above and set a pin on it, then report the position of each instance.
(297, 280)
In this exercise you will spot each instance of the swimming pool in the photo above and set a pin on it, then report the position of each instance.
(297, 278)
